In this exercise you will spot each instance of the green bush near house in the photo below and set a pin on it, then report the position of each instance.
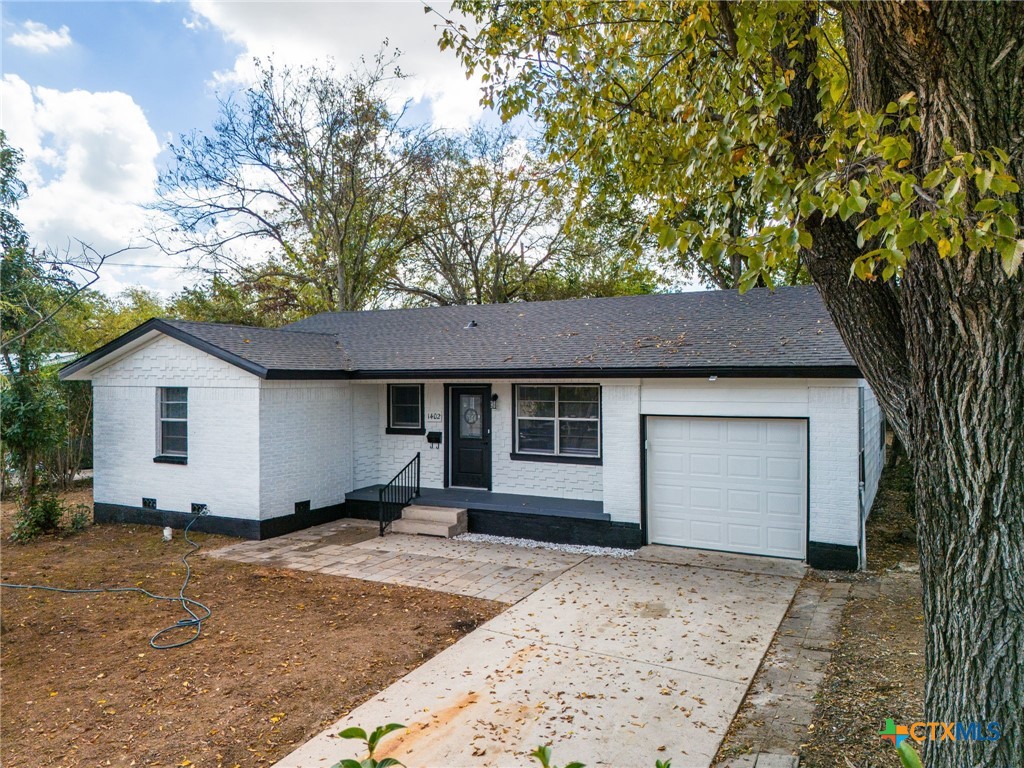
(45, 513)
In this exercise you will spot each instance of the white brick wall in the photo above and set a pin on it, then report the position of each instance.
(874, 446)
(835, 471)
(378, 456)
(621, 438)
(831, 407)
(305, 445)
(223, 432)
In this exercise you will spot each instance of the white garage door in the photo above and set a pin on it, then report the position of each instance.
(738, 485)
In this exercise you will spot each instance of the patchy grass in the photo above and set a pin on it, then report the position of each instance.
(285, 654)
(877, 667)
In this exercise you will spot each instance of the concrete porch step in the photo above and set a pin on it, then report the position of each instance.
(449, 515)
(427, 528)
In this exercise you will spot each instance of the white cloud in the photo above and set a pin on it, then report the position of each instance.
(90, 167)
(39, 38)
(298, 33)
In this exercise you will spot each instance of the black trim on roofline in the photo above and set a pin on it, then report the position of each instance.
(158, 325)
(757, 372)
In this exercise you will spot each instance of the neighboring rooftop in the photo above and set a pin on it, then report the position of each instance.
(785, 332)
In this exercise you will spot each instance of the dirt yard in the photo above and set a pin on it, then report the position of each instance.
(877, 668)
(284, 654)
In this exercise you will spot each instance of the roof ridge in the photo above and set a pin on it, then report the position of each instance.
(485, 307)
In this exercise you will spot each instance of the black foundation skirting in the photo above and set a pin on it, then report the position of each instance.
(538, 527)
(559, 530)
(227, 526)
(832, 557)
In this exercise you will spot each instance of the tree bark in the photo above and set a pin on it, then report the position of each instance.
(960, 323)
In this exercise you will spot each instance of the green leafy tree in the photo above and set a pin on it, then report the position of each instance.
(488, 230)
(95, 318)
(310, 168)
(46, 423)
(221, 301)
(879, 144)
(32, 290)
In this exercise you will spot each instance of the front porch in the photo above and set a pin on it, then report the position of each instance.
(543, 518)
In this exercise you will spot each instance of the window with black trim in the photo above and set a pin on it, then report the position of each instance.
(405, 409)
(173, 418)
(558, 420)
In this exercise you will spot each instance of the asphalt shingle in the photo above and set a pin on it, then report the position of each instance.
(785, 328)
(761, 332)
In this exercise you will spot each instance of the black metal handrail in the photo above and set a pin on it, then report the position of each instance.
(396, 495)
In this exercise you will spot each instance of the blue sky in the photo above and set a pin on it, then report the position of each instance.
(143, 49)
(93, 92)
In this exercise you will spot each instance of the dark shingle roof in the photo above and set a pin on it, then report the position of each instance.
(785, 332)
(271, 348)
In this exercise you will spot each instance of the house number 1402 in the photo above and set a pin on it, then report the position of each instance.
(433, 417)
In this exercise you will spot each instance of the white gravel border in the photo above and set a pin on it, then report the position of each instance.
(572, 549)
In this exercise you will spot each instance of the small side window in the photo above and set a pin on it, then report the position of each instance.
(173, 423)
(405, 409)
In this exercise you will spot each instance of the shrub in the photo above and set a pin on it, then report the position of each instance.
(45, 513)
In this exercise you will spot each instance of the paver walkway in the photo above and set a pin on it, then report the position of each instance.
(779, 707)
(353, 548)
(612, 662)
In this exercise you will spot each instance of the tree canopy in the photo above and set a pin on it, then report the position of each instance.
(878, 146)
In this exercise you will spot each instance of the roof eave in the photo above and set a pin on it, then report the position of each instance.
(835, 371)
(157, 325)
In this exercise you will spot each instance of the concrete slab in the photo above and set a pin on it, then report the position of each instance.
(495, 698)
(703, 620)
(474, 569)
(723, 561)
(614, 663)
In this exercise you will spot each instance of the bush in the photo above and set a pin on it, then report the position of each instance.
(45, 513)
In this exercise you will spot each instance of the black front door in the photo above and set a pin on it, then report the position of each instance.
(469, 436)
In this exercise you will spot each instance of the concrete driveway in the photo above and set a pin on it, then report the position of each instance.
(613, 663)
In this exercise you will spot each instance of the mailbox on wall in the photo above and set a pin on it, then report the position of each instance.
(433, 438)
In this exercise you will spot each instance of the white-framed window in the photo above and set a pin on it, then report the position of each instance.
(558, 420)
(173, 421)
(405, 408)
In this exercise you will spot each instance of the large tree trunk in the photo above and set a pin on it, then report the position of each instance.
(960, 328)
(965, 333)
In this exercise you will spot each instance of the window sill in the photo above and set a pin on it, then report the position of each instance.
(593, 461)
(405, 431)
(171, 459)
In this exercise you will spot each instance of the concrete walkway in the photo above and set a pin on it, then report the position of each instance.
(353, 548)
(612, 662)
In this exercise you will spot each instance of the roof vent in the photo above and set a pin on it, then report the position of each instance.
(471, 324)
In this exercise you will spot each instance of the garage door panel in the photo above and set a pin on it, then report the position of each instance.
(708, 533)
(706, 499)
(785, 433)
(703, 432)
(744, 432)
(705, 464)
(744, 501)
(743, 536)
(744, 467)
(785, 540)
(784, 468)
(730, 484)
(785, 505)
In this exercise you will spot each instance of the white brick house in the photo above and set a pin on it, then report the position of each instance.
(709, 420)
